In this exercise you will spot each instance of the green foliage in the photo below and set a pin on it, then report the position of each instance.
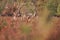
(10, 1)
(4, 23)
(1, 27)
(25, 29)
(2, 5)
(30, 6)
(0, 10)
(52, 7)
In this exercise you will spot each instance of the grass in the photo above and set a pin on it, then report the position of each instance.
(25, 29)
(3, 24)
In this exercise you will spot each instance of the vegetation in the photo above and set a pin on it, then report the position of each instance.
(52, 7)
(45, 9)
(3, 24)
(25, 29)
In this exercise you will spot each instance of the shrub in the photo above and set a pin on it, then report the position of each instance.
(25, 29)
(52, 7)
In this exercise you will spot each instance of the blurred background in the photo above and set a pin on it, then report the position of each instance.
(29, 19)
